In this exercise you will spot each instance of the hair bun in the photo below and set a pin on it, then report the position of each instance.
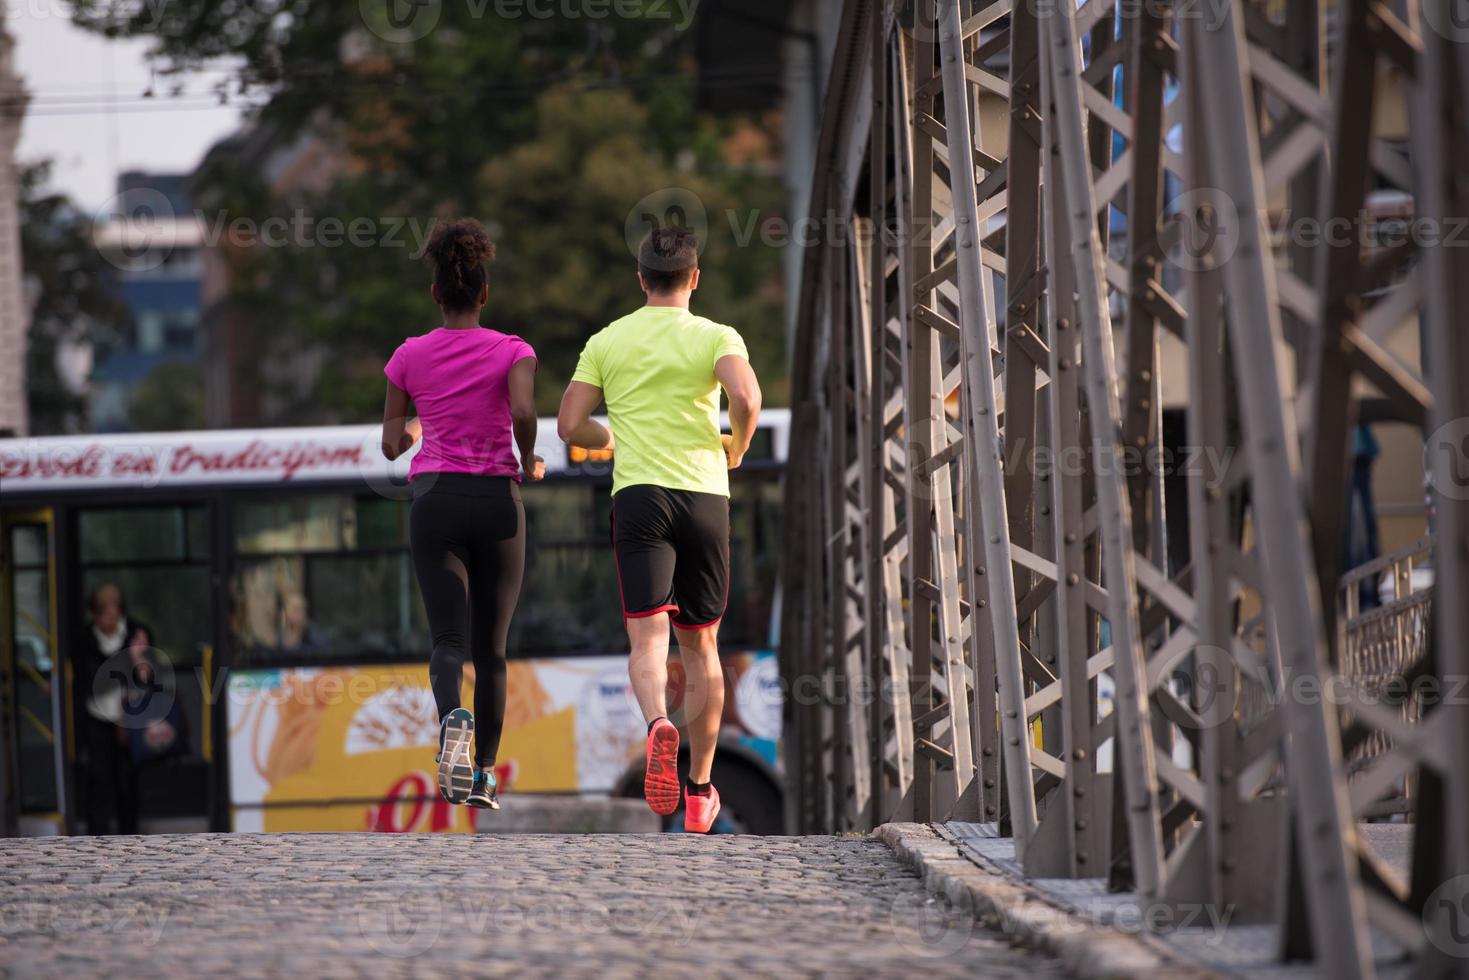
(459, 251)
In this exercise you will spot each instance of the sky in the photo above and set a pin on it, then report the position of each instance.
(88, 114)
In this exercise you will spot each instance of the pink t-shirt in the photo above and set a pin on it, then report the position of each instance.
(459, 382)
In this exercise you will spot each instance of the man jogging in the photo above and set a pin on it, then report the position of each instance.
(660, 370)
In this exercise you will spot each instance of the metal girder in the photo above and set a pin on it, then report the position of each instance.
(982, 567)
(1232, 163)
(987, 512)
(1441, 847)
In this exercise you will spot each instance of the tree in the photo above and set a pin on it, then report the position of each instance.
(75, 302)
(169, 399)
(549, 130)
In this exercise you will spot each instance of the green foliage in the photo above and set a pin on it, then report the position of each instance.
(72, 289)
(547, 129)
(171, 398)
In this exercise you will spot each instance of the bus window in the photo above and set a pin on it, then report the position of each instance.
(754, 547)
(322, 578)
(325, 577)
(159, 557)
(322, 522)
(568, 601)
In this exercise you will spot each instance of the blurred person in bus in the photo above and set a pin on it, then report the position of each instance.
(474, 390)
(660, 370)
(297, 633)
(112, 664)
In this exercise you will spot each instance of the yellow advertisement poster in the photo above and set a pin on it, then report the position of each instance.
(352, 748)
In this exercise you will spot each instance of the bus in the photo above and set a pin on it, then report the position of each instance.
(272, 566)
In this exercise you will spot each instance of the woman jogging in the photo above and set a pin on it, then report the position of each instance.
(473, 388)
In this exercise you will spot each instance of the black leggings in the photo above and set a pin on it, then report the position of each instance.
(468, 539)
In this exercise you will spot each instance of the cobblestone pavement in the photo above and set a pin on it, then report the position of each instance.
(326, 905)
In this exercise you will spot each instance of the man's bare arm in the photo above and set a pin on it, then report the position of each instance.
(743, 390)
(574, 423)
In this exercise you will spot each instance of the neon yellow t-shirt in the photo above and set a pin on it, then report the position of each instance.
(656, 371)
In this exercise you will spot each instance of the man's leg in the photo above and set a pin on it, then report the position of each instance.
(703, 696)
(647, 667)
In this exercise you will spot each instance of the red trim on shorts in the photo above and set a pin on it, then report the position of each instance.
(650, 612)
(701, 626)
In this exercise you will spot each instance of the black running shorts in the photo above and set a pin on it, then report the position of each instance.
(672, 550)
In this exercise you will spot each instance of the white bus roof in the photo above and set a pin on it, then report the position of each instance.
(259, 457)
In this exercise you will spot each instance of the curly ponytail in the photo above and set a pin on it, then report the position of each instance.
(459, 251)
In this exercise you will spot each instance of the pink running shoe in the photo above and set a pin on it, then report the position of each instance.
(660, 779)
(700, 811)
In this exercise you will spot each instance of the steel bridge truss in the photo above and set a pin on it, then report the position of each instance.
(1028, 205)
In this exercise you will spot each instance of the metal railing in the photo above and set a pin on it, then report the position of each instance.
(975, 548)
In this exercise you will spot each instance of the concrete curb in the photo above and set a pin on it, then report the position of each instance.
(1089, 950)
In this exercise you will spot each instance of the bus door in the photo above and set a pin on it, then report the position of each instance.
(32, 678)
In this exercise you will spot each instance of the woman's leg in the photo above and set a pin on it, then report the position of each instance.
(437, 542)
(497, 569)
